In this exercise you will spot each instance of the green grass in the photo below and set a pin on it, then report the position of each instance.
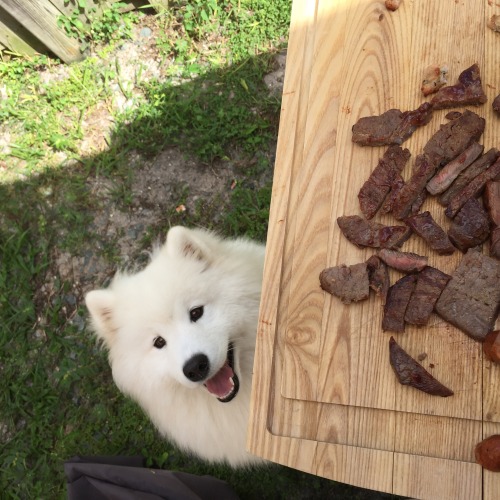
(58, 398)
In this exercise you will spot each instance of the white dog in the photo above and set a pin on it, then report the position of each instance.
(181, 339)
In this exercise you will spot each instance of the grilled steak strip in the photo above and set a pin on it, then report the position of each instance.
(410, 192)
(454, 137)
(474, 188)
(471, 299)
(495, 242)
(396, 186)
(410, 372)
(406, 262)
(480, 165)
(348, 283)
(365, 233)
(395, 306)
(378, 276)
(430, 284)
(492, 200)
(468, 91)
(496, 104)
(470, 227)
(443, 179)
(392, 127)
(428, 229)
(375, 189)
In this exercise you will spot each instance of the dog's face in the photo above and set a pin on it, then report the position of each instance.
(174, 322)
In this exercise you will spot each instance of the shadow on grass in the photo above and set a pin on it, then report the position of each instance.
(59, 399)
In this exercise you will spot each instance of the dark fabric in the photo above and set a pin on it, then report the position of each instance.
(126, 478)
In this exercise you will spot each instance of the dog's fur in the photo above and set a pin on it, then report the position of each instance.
(200, 294)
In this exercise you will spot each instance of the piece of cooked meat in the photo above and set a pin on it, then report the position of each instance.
(471, 299)
(410, 372)
(378, 276)
(492, 200)
(468, 91)
(454, 137)
(410, 192)
(495, 243)
(374, 191)
(430, 284)
(393, 194)
(434, 78)
(480, 165)
(428, 229)
(396, 303)
(474, 188)
(496, 104)
(470, 227)
(392, 127)
(348, 283)
(444, 178)
(365, 233)
(407, 262)
(392, 4)
(453, 115)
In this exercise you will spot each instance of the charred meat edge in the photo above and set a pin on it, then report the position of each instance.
(410, 372)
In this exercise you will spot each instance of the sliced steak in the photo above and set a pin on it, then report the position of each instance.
(480, 165)
(471, 299)
(470, 227)
(411, 191)
(492, 200)
(410, 372)
(474, 188)
(443, 179)
(407, 262)
(392, 127)
(453, 115)
(468, 91)
(454, 137)
(375, 189)
(495, 243)
(496, 104)
(365, 233)
(428, 229)
(348, 283)
(430, 284)
(396, 187)
(378, 276)
(395, 306)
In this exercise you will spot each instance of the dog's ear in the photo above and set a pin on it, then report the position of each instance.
(100, 304)
(189, 243)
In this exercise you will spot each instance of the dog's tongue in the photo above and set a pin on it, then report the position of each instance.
(221, 383)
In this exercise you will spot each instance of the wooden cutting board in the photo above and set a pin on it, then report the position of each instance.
(325, 399)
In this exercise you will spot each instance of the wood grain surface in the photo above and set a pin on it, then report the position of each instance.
(325, 399)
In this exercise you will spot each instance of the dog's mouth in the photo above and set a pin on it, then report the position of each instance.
(225, 383)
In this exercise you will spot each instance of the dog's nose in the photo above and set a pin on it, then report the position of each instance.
(196, 368)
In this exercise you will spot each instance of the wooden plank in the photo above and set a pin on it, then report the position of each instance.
(16, 44)
(16, 38)
(260, 439)
(40, 18)
(432, 479)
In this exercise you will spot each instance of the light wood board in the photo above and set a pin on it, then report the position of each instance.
(325, 399)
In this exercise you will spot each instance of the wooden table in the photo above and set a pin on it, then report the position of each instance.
(325, 399)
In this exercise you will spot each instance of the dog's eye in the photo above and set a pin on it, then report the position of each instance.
(196, 313)
(159, 342)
